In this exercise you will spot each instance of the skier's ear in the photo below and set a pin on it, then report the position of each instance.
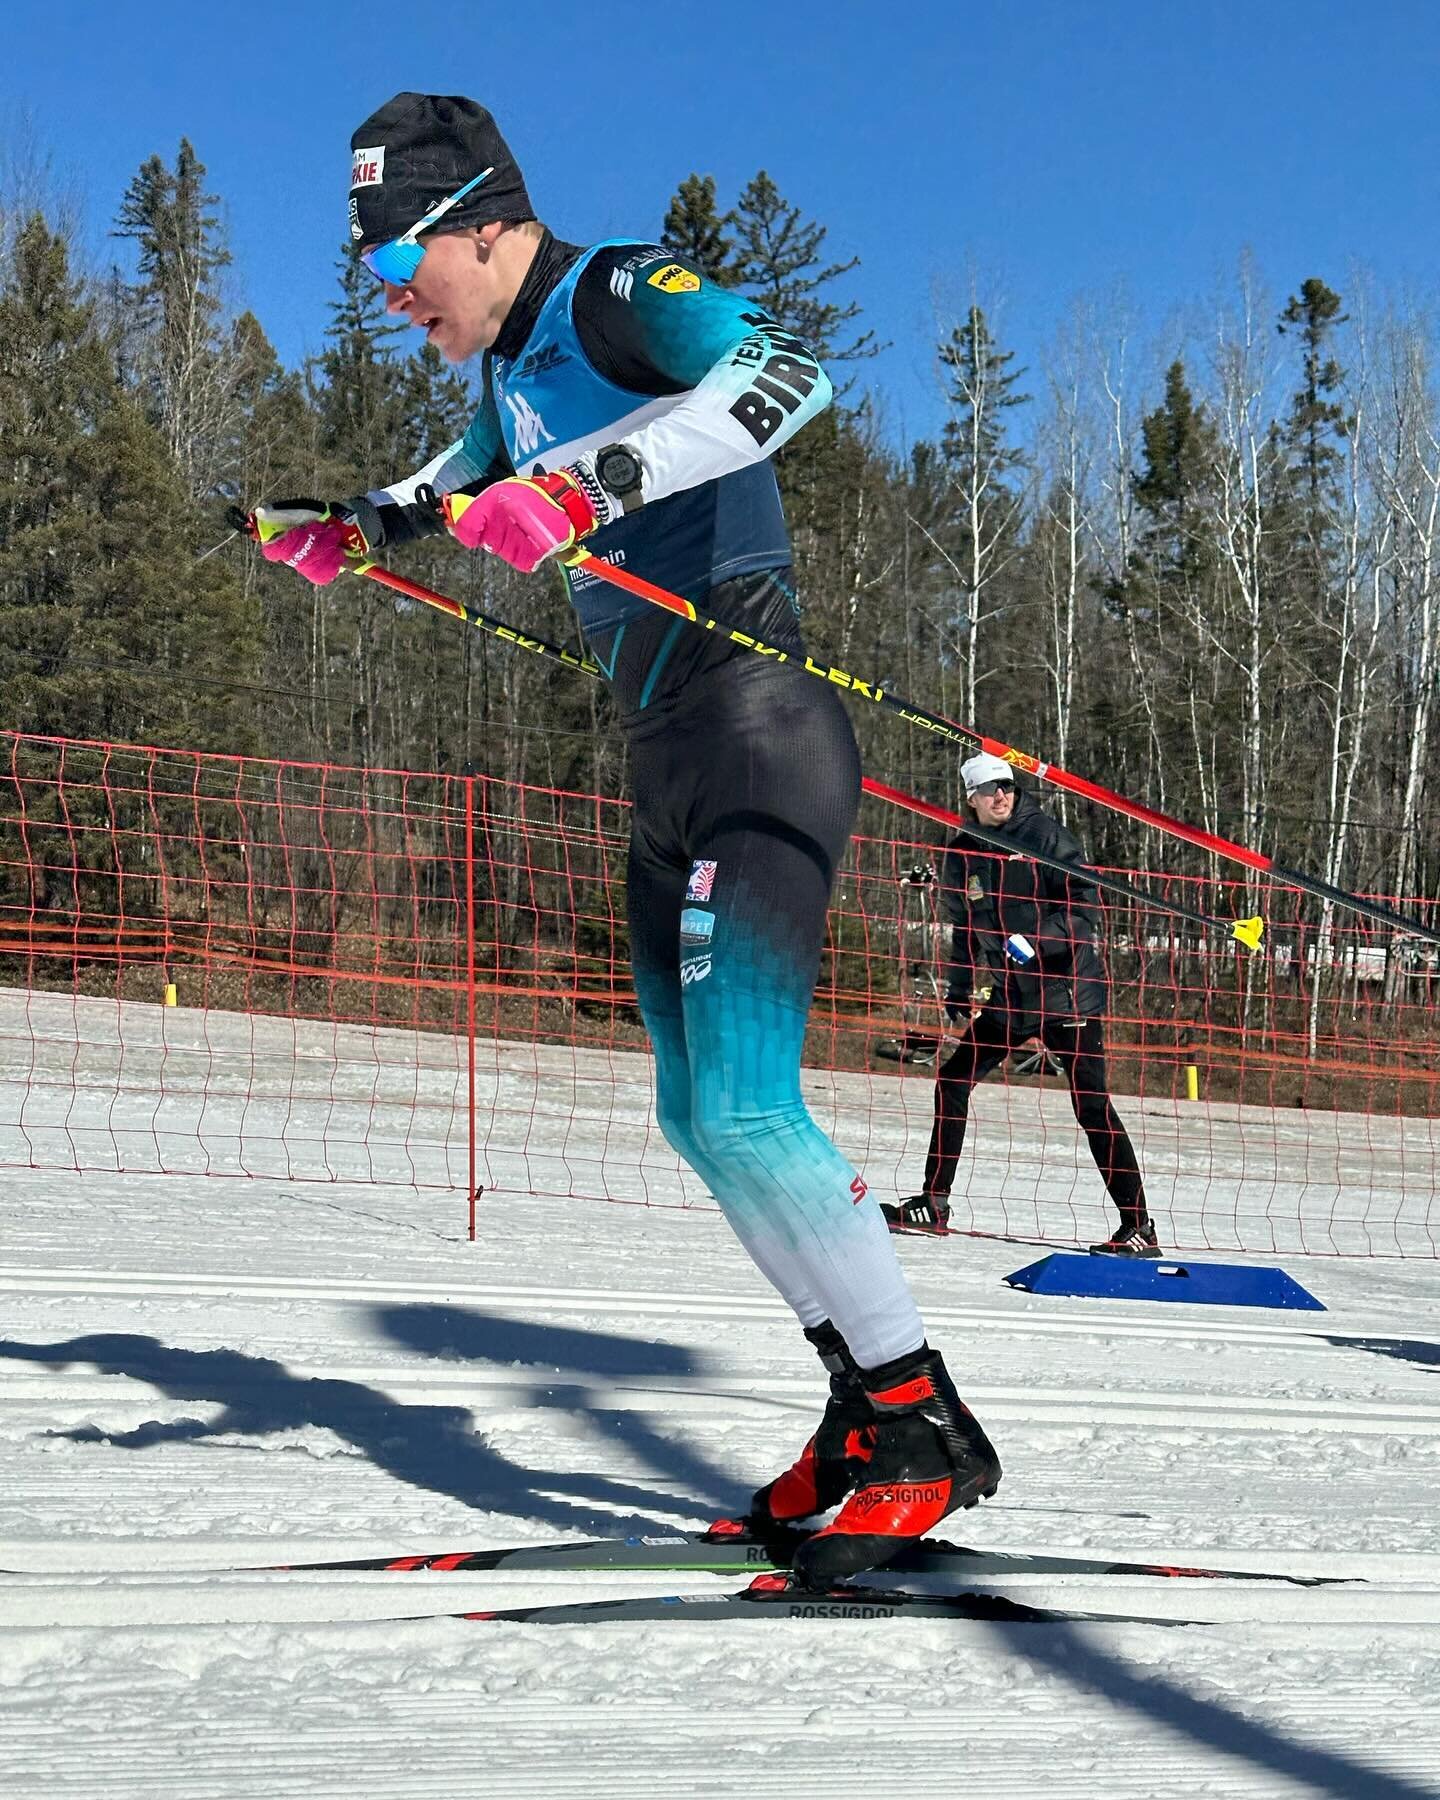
(486, 237)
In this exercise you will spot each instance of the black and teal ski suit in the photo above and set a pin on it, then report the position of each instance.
(745, 771)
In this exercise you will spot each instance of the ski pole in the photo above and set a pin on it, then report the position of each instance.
(362, 565)
(471, 615)
(916, 715)
(1245, 931)
(1020, 759)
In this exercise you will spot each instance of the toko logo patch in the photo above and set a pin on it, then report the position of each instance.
(672, 279)
(367, 167)
(702, 880)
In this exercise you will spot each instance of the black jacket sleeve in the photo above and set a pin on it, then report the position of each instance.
(1068, 904)
(969, 908)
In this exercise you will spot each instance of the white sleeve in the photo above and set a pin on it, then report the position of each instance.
(742, 411)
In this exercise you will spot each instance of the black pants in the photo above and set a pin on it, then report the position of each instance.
(746, 779)
(1078, 1045)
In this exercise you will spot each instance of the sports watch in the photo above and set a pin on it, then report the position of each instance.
(621, 473)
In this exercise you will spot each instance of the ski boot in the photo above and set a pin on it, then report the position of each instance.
(926, 1214)
(930, 1457)
(834, 1459)
(1132, 1237)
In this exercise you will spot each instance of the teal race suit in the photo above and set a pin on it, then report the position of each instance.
(745, 772)
(624, 343)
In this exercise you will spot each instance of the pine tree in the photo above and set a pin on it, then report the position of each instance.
(435, 406)
(1316, 567)
(1183, 608)
(174, 314)
(987, 508)
(358, 390)
(109, 627)
(778, 258)
(1302, 550)
(55, 383)
(695, 230)
(276, 456)
(1316, 417)
(980, 393)
(272, 453)
(362, 400)
(1178, 442)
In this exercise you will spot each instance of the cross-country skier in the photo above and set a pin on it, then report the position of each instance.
(1025, 963)
(629, 402)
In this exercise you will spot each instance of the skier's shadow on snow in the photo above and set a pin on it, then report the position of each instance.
(438, 1448)
(1076, 1658)
(1414, 1350)
(462, 1334)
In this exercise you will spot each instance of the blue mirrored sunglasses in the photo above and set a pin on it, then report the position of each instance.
(397, 260)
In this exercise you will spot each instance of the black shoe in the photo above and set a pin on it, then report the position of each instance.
(930, 1457)
(928, 1214)
(834, 1459)
(1130, 1240)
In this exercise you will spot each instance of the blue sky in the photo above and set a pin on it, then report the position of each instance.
(1055, 149)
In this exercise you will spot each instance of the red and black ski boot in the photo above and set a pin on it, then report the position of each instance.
(834, 1459)
(930, 1458)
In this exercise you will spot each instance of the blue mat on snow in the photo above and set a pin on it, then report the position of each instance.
(1138, 1278)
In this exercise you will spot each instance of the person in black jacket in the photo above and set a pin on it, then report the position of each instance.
(1025, 963)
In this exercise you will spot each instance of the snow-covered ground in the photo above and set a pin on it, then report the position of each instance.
(198, 1372)
(93, 1084)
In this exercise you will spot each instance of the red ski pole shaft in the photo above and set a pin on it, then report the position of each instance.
(1019, 759)
(1245, 931)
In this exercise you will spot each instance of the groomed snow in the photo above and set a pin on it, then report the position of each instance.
(198, 1372)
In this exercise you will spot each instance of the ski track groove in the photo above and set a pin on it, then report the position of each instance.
(611, 1770)
(447, 1750)
(1308, 1334)
(1033, 1405)
(680, 1395)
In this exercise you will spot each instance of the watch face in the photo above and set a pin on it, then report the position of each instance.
(619, 470)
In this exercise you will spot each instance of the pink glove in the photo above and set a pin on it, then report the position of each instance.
(304, 534)
(522, 520)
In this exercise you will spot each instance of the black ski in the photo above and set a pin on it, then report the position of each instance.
(729, 1546)
(772, 1597)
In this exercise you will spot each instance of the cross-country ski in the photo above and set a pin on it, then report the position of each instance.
(724, 1550)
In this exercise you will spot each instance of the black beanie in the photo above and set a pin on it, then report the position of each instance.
(416, 151)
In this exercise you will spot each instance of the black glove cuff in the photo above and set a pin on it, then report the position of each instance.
(363, 512)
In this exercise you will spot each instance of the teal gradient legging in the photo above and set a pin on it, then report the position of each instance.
(742, 814)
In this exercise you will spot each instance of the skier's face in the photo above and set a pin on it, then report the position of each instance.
(994, 807)
(463, 288)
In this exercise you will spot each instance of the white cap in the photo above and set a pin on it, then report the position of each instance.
(984, 767)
